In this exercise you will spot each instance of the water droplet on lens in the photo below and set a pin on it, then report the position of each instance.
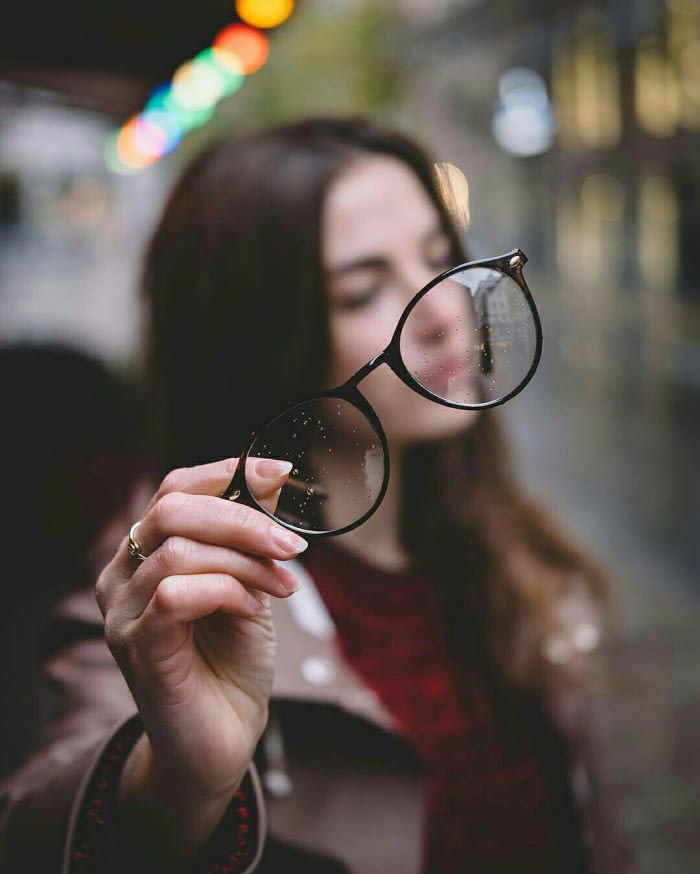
(309, 491)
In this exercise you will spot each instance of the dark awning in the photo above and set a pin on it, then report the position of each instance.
(105, 53)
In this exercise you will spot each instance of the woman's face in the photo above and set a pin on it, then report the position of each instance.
(382, 242)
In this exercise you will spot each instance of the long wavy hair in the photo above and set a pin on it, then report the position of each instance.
(234, 285)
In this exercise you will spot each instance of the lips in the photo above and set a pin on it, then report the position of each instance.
(448, 371)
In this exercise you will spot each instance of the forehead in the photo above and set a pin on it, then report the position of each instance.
(376, 204)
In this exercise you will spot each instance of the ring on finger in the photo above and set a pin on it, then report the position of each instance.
(135, 549)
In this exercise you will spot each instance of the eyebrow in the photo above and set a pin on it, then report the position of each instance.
(376, 262)
(371, 263)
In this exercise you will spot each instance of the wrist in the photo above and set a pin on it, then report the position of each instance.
(160, 812)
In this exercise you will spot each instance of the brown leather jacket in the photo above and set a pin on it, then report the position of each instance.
(338, 788)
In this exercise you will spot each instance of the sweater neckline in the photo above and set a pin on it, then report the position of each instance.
(347, 579)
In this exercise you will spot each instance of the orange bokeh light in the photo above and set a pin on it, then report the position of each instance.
(249, 46)
(129, 147)
(264, 13)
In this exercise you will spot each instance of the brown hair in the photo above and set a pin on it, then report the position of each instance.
(235, 287)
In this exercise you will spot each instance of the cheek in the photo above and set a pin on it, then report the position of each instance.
(356, 339)
(346, 358)
(408, 418)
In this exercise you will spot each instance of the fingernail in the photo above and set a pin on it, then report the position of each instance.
(287, 541)
(272, 469)
(290, 586)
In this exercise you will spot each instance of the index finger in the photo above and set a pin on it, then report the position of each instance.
(201, 479)
(265, 477)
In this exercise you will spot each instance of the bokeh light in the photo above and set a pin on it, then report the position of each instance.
(264, 13)
(111, 157)
(523, 120)
(249, 46)
(133, 149)
(197, 85)
(160, 127)
(158, 97)
(658, 98)
(454, 190)
(227, 65)
(149, 137)
(163, 100)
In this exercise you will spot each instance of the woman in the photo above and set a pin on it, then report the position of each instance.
(416, 722)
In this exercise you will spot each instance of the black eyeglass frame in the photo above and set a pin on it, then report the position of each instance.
(510, 264)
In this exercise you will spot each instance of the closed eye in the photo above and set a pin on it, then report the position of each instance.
(356, 301)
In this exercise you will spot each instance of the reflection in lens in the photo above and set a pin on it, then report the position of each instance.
(337, 464)
(472, 339)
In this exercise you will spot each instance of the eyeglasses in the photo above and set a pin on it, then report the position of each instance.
(471, 339)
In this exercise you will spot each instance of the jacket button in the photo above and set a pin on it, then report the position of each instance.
(318, 671)
(277, 783)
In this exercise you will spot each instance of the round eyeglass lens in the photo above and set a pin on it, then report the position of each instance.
(337, 465)
(471, 339)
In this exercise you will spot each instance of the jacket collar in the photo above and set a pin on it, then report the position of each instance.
(309, 664)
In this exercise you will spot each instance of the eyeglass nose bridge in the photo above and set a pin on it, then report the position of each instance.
(390, 356)
(385, 357)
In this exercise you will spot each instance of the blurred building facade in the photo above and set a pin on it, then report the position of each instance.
(578, 127)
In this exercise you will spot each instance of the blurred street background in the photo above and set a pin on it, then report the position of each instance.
(569, 129)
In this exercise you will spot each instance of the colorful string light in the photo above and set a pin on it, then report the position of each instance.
(264, 13)
(242, 45)
(197, 85)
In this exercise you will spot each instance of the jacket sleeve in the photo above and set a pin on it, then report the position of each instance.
(577, 713)
(57, 810)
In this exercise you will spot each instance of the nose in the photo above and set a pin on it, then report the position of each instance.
(435, 315)
(430, 312)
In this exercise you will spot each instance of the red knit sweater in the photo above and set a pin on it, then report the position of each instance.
(497, 796)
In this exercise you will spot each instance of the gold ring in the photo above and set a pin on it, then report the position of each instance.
(134, 545)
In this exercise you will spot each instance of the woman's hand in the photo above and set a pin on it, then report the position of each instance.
(191, 630)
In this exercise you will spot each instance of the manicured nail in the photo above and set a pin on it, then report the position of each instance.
(290, 585)
(272, 469)
(287, 541)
